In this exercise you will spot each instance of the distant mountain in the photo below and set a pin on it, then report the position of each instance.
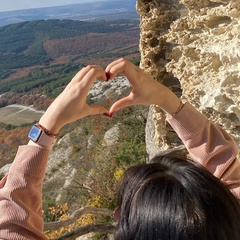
(45, 53)
(108, 10)
(42, 41)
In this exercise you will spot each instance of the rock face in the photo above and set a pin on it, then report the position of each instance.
(193, 46)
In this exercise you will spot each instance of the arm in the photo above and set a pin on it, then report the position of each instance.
(207, 143)
(21, 189)
(21, 193)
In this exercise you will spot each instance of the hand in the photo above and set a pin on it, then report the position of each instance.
(71, 104)
(145, 90)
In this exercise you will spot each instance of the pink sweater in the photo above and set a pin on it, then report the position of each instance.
(21, 189)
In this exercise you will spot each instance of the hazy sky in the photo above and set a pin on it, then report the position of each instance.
(8, 5)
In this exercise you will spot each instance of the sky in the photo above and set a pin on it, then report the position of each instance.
(9, 5)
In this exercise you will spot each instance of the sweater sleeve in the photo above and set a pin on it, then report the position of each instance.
(209, 145)
(21, 195)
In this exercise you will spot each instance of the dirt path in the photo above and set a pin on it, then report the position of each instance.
(17, 114)
(23, 108)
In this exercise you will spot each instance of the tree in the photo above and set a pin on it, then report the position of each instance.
(73, 226)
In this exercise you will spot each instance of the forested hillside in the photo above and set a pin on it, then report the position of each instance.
(23, 44)
(38, 58)
(45, 54)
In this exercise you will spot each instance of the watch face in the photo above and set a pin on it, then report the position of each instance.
(35, 133)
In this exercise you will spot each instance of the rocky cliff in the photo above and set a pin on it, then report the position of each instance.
(193, 46)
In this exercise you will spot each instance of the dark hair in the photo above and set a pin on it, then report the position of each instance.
(174, 199)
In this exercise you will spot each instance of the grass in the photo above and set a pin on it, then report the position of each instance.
(17, 116)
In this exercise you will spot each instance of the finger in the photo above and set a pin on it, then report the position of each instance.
(131, 71)
(122, 103)
(84, 71)
(80, 74)
(120, 60)
(115, 67)
(77, 78)
(96, 109)
(91, 76)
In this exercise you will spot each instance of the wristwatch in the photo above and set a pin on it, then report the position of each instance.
(42, 136)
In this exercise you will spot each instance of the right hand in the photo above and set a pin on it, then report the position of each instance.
(71, 104)
(145, 90)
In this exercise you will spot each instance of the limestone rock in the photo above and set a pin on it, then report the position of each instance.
(112, 136)
(195, 42)
(109, 91)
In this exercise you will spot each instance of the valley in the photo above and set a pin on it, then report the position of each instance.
(37, 60)
(19, 114)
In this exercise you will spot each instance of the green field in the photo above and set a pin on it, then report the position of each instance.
(17, 115)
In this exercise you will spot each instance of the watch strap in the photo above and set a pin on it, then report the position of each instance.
(39, 135)
(50, 134)
(46, 141)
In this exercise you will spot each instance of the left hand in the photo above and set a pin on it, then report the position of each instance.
(71, 104)
(145, 90)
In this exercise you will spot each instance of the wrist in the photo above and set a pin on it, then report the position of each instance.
(51, 125)
(169, 102)
(46, 131)
(41, 136)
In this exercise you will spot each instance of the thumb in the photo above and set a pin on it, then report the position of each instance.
(122, 103)
(96, 109)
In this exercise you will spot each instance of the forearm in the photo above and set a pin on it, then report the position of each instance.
(21, 195)
(168, 101)
(21, 190)
(208, 144)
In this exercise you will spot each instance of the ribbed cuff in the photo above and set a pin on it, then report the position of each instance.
(31, 160)
(187, 121)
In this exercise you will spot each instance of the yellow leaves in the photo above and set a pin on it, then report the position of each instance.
(118, 173)
(60, 212)
(94, 202)
(86, 219)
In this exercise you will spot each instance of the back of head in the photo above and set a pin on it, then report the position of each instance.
(173, 199)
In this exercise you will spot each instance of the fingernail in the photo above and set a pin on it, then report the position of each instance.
(111, 114)
(107, 114)
(107, 75)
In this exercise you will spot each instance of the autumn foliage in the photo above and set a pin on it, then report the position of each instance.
(9, 142)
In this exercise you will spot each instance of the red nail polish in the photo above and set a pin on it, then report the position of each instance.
(108, 75)
(107, 114)
(111, 114)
